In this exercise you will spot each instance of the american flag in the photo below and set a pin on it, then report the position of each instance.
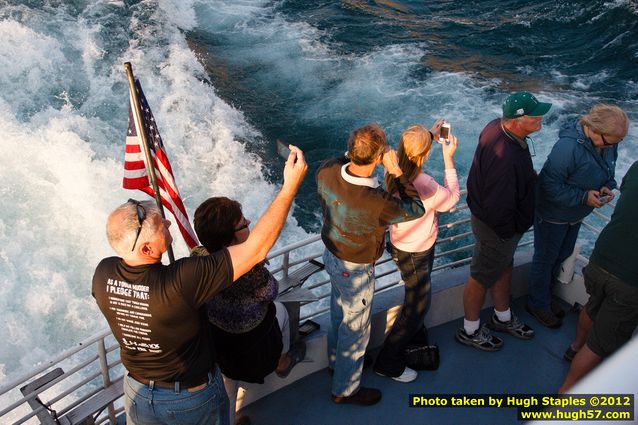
(135, 176)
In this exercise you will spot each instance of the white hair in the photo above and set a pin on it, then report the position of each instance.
(123, 223)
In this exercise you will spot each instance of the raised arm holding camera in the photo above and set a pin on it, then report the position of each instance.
(412, 247)
(154, 310)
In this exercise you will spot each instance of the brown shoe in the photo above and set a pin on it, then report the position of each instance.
(363, 397)
(557, 309)
(545, 317)
(243, 420)
(296, 353)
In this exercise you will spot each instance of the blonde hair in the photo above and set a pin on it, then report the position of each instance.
(414, 149)
(607, 119)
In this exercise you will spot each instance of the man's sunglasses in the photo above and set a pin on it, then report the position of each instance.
(141, 216)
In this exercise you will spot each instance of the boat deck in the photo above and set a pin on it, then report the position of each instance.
(534, 366)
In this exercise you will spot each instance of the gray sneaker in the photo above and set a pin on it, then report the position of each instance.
(481, 339)
(514, 327)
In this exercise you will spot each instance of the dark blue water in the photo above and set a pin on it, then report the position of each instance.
(309, 72)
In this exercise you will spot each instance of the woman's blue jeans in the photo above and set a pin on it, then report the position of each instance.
(408, 328)
(553, 243)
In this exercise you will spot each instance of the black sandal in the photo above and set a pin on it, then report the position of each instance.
(570, 353)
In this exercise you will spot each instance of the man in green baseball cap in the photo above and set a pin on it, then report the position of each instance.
(500, 195)
(524, 103)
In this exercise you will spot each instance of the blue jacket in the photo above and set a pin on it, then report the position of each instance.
(573, 167)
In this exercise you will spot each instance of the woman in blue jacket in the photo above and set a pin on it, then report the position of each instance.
(577, 177)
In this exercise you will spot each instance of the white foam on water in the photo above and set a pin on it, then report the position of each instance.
(52, 229)
(373, 86)
(349, 88)
(181, 12)
(25, 76)
(62, 150)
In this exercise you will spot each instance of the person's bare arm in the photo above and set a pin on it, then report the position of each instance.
(448, 151)
(245, 255)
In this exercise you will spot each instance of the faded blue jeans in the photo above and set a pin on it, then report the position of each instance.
(165, 406)
(553, 243)
(350, 306)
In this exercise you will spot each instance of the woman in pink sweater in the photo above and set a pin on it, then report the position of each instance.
(412, 246)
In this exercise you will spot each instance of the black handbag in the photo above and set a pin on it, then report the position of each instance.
(424, 357)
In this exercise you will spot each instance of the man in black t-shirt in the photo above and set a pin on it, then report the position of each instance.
(155, 312)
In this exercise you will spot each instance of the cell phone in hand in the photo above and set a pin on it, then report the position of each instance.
(445, 132)
(604, 198)
(282, 149)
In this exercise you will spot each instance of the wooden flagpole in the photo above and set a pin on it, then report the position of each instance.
(150, 170)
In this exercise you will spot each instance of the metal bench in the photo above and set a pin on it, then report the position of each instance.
(87, 412)
(84, 413)
(292, 282)
(291, 294)
(45, 414)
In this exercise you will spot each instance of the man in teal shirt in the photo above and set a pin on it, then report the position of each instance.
(605, 324)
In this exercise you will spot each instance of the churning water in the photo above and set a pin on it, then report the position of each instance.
(225, 79)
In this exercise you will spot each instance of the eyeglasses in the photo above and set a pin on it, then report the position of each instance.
(606, 143)
(243, 226)
(141, 216)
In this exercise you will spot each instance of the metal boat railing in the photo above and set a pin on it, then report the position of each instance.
(90, 369)
(94, 364)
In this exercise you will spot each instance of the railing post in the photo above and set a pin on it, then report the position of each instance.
(106, 378)
(285, 265)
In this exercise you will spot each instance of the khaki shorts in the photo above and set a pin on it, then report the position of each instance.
(492, 254)
(613, 306)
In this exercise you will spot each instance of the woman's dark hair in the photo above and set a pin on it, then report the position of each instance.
(215, 221)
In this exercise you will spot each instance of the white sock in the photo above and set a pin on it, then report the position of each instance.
(471, 326)
(503, 316)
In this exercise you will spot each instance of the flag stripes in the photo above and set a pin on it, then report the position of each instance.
(135, 174)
